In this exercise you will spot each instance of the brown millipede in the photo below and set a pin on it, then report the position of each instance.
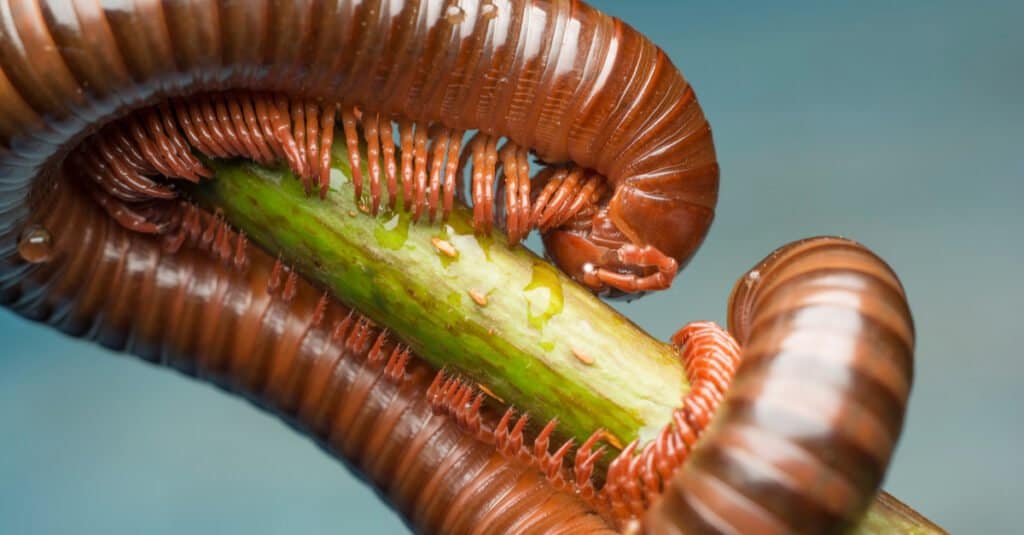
(628, 152)
(119, 99)
(807, 428)
(322, 367)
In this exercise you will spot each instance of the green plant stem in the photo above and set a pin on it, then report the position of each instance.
(500, 316)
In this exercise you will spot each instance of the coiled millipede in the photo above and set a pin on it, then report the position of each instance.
(581, 90)
(99, 101)
(811, 419)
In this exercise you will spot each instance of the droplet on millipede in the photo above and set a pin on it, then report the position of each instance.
(454, 14)
(488, 10)
(35, 244)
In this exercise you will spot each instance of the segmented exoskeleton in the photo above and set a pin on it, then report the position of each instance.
(204, 301)
(628, 152)
(813, 415)
(120, 101)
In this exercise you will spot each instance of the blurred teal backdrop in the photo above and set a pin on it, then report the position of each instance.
(899, 124)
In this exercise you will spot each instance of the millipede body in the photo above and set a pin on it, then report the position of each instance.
(305, 357)
(810, 422)
(210, 305)
(626, 148)
(108, 110)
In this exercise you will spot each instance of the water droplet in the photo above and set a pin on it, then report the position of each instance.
(394, 232)
(454, 14)
(753, 277)
(35, 244)
(543, 294)
(488, 11)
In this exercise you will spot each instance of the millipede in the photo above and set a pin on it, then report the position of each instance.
(813, 414)
(334, 374)
(626, 148)
(107, 108)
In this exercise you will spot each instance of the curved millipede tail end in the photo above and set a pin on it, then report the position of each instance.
(808, 427)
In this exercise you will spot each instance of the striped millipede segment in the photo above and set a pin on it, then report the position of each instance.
(629, 150)
(806, 432)
(241, 323)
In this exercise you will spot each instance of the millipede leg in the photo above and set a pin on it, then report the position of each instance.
(632, 255)
(348, 122)
(419, 181)
(327, 118)
(439, 139)
(371, 132)
(387, 138)
(452, 176)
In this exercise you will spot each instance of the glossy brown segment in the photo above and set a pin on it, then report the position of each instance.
(807, 429)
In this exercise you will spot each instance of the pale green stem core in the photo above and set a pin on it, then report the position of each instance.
(499, 316)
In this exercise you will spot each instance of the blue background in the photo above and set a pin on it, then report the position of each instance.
(900, 124)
